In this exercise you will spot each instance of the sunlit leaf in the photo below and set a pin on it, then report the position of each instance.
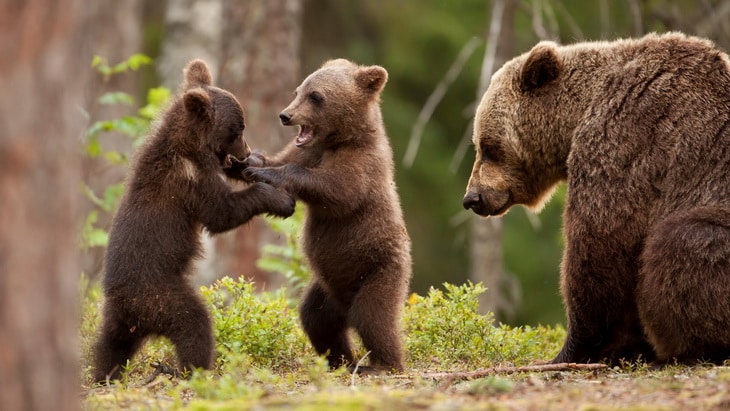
(116, 97)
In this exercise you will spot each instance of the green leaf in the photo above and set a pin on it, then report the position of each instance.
(115, 157)
(157, 97)
(97, 238)
(135, 61)
(97, 61)
(112, 194)
(116, 97)
(93, 147)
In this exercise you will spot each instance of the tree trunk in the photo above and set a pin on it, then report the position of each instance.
(486, 235)
(44, 73)
(260, 66)
(252, 47)
(193, 30)
(113, 34)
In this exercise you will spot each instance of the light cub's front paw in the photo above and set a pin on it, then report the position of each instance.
(262, 175)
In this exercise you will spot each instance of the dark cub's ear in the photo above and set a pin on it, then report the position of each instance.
(371, 78)
(197, 74)
(198, 104)
(542, 67)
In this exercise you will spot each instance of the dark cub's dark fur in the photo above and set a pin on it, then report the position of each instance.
(174, 191)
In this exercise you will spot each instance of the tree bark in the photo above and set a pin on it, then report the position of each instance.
(260, 65)
(485, 251)
(43, 75)
(252, 48)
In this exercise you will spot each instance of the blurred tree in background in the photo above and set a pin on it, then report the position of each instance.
(418, 42)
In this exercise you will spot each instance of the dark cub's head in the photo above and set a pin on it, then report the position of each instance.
(336, 102)
(214, 115)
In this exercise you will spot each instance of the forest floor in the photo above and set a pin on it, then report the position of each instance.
(671, 388)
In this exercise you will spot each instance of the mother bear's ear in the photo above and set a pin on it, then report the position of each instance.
(541, 68)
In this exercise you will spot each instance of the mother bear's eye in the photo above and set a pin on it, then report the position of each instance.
(315, 97)
(491, 152)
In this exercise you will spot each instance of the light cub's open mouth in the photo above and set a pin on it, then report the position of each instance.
(306, 133)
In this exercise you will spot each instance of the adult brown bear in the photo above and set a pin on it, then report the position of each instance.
(640, 130)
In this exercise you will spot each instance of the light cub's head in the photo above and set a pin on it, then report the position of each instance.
(214, 115)
(511, 128)
(334, 102)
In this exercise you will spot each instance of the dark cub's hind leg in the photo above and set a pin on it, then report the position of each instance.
(325, 323)
(117, 343)
(187, 324)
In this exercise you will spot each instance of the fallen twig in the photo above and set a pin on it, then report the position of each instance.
(450, 377)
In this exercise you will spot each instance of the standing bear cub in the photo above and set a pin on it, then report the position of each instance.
(354, 237)
(640, 130)
(175, 189)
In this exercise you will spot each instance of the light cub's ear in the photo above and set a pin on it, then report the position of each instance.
(197, 74)
(542, 66)
(371, 78)
(198, 104)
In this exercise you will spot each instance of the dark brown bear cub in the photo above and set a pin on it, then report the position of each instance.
(354, 236)
(640, 130)
(175, 189)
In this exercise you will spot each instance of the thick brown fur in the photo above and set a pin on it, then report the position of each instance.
(354, 236)
(640, 129)
(175, 189)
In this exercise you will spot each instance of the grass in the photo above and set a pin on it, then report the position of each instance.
(265, 362)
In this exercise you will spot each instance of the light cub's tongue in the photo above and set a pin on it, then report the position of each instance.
(306, 133)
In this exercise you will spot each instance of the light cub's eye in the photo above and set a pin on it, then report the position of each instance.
(315, 97)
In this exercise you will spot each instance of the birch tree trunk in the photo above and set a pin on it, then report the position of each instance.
(43, 75)
(485, 251)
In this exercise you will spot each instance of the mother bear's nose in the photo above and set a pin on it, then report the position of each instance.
(284, 117)
(471, 200)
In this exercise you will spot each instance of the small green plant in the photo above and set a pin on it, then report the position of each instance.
(264, 327)
(444, 328)
(131, 127)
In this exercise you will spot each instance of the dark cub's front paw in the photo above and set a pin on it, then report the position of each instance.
(233, 168)
(279, 203)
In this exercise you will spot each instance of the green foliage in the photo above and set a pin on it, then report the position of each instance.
(263, 327)
(444, 327)
(132, 127)
(288, 258)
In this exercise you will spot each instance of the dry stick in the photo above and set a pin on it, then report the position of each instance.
(450, 377)
(354, 372)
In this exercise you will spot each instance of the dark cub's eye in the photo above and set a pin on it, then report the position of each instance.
(315, 97)
(233, 135)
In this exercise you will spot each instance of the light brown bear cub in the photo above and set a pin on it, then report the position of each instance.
(354, 236)
(640, 129)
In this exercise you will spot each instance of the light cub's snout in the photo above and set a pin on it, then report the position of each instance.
(285, 118)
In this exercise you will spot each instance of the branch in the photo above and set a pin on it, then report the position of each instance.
(488, 62)
(450, 377)
(435, 98)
